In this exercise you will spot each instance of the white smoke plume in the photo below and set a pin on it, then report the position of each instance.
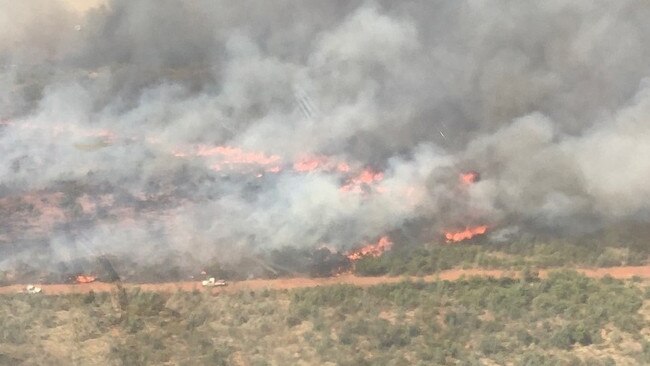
(146, 127)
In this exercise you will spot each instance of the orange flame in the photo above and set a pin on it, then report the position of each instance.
(235, 155)
(372, 250)
(229, 157)
(309, 164)
(232, 156)
(470, 177)
(85, 279)
(468, 233)
(365, 178)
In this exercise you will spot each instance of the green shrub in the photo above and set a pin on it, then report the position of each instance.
(489, 345)
(445, 322)
(12, 331)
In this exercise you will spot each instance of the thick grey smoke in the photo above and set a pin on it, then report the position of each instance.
(116, 122)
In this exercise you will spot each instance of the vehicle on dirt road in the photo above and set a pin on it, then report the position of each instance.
(212, 282)
(31, 289)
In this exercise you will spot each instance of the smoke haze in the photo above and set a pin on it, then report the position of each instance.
(215, 127)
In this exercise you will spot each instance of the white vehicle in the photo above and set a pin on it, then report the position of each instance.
(31, 289)
(212, 282)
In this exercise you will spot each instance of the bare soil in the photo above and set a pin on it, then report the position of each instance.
(300, 282)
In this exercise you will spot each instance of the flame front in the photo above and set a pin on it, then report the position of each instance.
(466, 179)
(373, 250)
(468, 233)
(85, 279)
(364, 179)
(309, 164)
(231, 157)
(470, 177)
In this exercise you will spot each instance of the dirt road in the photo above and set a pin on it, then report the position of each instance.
(290, 283)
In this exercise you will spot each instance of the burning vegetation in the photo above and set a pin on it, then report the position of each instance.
(467, 233)
(373, 250)
(470, 177)
(466, 179)
(218, 141)
(168, 141)
(84, 278)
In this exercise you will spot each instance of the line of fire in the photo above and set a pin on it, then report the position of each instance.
(355, 179)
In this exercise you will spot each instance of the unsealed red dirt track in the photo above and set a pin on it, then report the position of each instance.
(291, 283)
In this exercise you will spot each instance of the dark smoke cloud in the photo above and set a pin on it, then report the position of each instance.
(548, 101)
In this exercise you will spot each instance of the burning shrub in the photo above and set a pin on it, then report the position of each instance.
(85, 278)
(467, 233)
(371, 250)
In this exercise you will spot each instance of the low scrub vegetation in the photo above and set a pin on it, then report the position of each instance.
(510, 255)
(566, 319)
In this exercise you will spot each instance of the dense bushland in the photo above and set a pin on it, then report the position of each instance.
(565, 319)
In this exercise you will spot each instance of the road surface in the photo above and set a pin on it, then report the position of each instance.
(291, 283)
